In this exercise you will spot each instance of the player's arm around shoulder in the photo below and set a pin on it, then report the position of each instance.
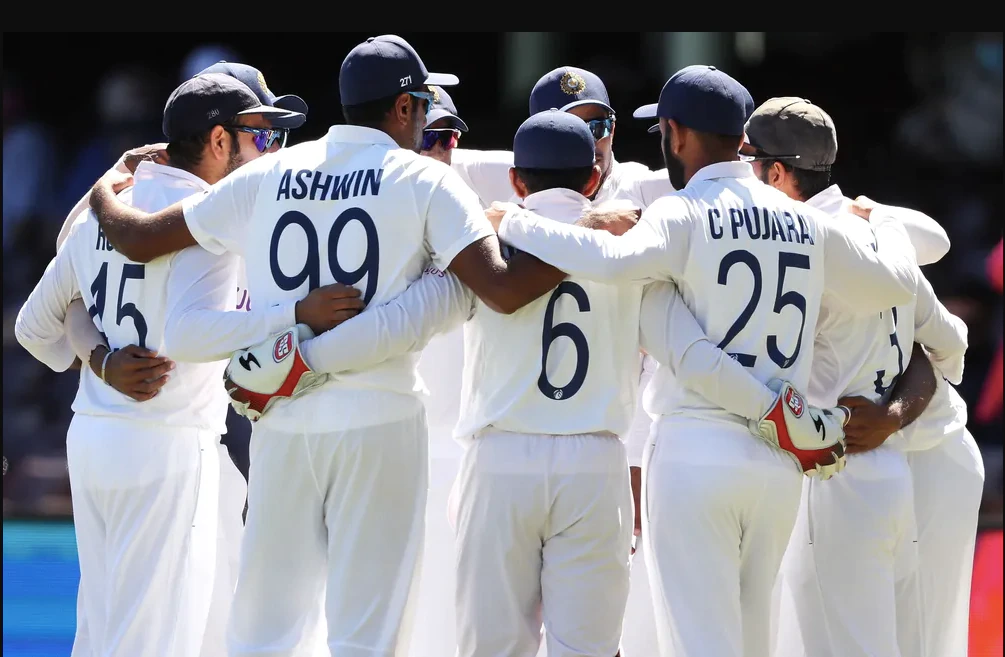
(867, 280)
(485, 172)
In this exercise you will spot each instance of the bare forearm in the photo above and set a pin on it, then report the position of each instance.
(138, 235)
(914, 389)
(504, 286)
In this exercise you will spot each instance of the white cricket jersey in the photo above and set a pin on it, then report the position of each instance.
(566, 363)
(353, 208)
(487, 173)
(751, 264)
(855, 355)
(128, 302)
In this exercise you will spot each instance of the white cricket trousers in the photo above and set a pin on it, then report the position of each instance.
(145, 507)
(719, 506)
(544, 532)
(849, 583)
(334, 519)
(948, 485)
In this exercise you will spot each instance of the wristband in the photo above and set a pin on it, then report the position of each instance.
(104, 361)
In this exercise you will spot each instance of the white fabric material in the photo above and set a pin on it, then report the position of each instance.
(544, 526)
(145, 509)
(352, 201)
(335, 522)
(720, 505)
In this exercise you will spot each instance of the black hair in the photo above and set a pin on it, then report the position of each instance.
(808, 182)
(372, 113)
(538, 180)
(186, 153)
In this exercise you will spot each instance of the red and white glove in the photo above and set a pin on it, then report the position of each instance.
(813, 437)
(274, 369)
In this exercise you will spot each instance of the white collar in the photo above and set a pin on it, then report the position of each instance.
(557, 203)
(357, 134)
(735, 169)
(830, 200)
(147, 170)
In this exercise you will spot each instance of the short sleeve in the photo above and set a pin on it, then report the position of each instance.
(454, 219)
(218, 219)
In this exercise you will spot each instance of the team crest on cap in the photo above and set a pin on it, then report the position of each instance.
(436, 94)
(261, 82)
(572, 83)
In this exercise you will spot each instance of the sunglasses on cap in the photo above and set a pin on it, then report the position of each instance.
(753, 153)
(264, 138)
(601, 127)
(447, 137)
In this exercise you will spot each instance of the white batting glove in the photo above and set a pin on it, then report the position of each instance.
(274, 369)
(812, 436)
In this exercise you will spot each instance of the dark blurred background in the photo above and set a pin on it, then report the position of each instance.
(919, 120)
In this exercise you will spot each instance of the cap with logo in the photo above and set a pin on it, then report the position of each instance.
(384, 66)
(209, 100)
(567, 87)
(790, 127)
(443, 107)
(702, 98)
(255, 81)
(553, 139)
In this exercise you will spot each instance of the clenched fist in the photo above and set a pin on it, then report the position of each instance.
(328, 306)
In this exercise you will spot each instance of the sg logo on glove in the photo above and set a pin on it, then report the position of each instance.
(283, 348)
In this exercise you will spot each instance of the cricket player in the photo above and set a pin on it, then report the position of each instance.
(947, 472)
(146, 512)
(502, 571)
(727, 240)
(583, 94)
(855, 543)
(336, 513)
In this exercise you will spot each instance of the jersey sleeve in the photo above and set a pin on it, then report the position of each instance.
(83, 205)
(80, 330)
(638, 433)
(655, 249)
(218, 219)
(454, 219)
(651, 186)
(39, 324)
(670, 334)
(435, 303)
(486, 172)
(202, 324)
(864, 279)
(943, 334)
(930, 240)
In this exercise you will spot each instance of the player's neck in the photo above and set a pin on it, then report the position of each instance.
(705, 160)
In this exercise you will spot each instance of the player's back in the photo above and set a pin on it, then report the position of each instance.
(858, 355)
(753, 276)
(566, 363)
(352, 208)
(127, 301)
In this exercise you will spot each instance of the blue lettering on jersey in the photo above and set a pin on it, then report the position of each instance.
(342, 186)
(102, 243)
(714, 222)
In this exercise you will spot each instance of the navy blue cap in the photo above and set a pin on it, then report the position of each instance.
(567, 87)
(702, 98)
(553, 139)
(443, 107)
(209, 100)
(384, 66)
(255, 81)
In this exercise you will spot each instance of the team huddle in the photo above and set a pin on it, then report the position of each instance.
(726, 365)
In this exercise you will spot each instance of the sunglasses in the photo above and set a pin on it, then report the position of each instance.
(446, 137)
(601, 127)
(759, 154)
(424, 95)
(264, 138)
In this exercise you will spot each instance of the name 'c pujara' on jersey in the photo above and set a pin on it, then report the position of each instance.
(760, 224)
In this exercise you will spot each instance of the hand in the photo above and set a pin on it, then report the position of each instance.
(870, 424)
(112, 180)
(497, 211)
(135, 372)
(862, 206)
(636, 474)
(156, 153)
(328, 306)
(616, 221)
